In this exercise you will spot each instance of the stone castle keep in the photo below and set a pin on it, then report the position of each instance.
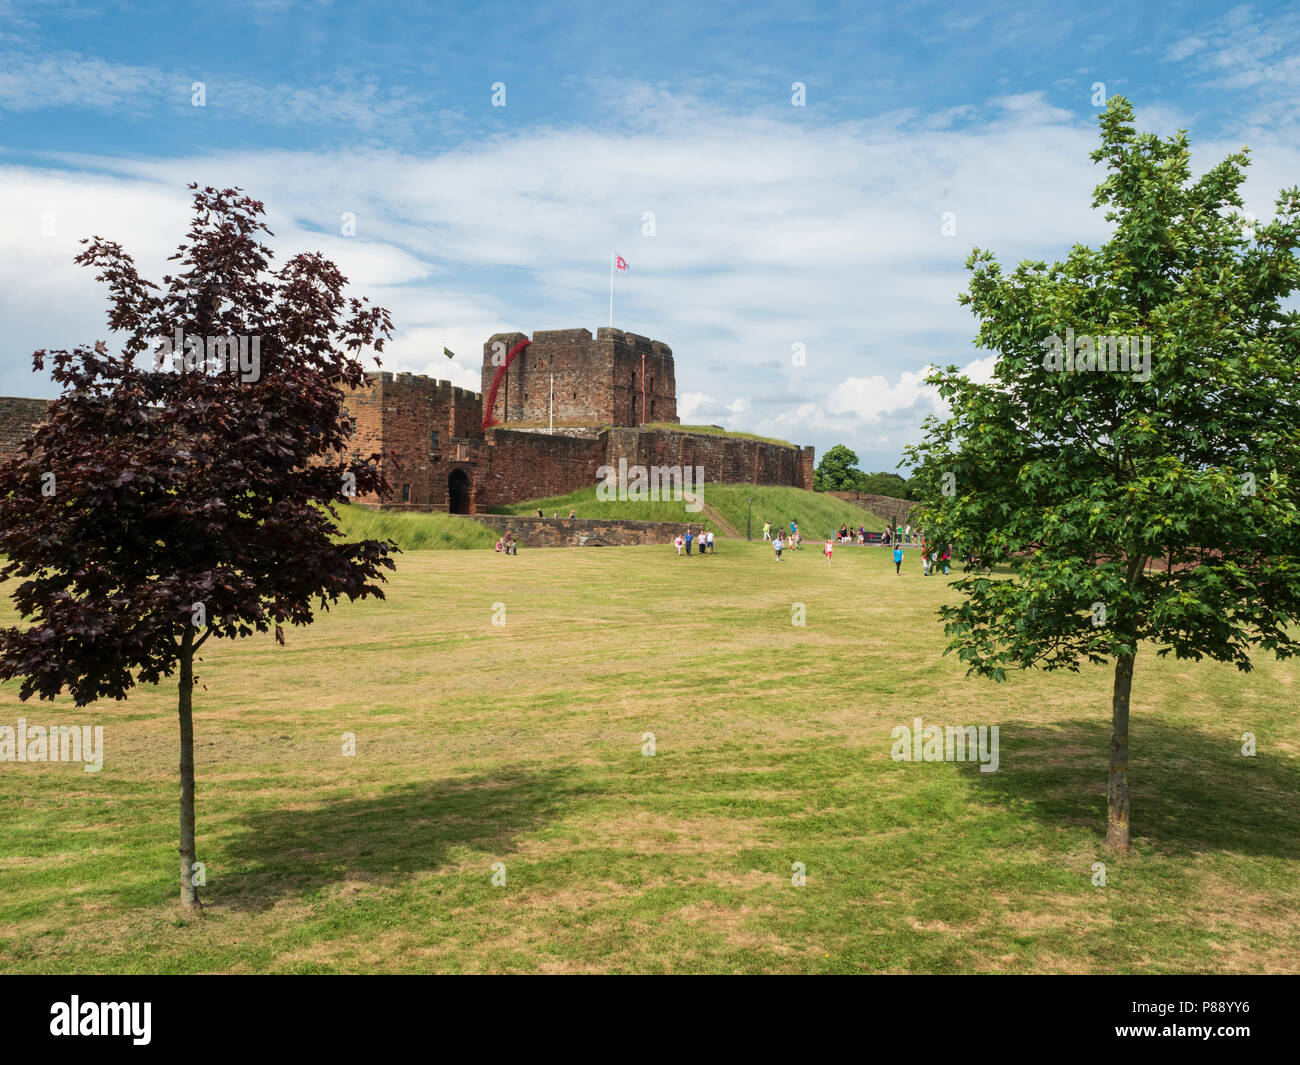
(566, 405)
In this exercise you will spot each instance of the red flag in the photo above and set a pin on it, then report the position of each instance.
(620, 264)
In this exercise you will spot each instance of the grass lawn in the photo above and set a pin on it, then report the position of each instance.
(522, 745)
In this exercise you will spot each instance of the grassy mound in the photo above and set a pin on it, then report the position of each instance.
(818, 514)
(716, 430)
(414, 531)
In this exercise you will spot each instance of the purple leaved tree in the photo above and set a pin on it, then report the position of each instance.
(184, 488)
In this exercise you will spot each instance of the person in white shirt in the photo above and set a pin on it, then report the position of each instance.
(710, 541)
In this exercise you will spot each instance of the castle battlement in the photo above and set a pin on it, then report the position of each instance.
(571, 377)
(422, 382)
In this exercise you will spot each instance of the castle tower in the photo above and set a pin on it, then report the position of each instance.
(614, 378)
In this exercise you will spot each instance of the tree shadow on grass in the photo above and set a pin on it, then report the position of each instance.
(1188, 790)
(407, 830)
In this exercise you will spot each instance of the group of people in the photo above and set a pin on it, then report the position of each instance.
(792, 541)
(703, 541)
(507, 545)
(931, 558)
(554, 514)
(901, 534)
(779, 545)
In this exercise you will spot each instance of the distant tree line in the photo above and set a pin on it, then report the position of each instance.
(838, 472)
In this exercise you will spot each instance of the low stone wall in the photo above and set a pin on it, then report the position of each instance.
(887, 507)
(583, 532)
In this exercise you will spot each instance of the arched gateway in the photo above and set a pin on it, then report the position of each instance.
(458, 493)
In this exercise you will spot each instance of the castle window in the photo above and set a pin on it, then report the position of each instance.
(433, 441)
(406, 493)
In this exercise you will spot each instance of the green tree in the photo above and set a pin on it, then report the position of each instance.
(838, 471)
(883, 484)
(1129, 506)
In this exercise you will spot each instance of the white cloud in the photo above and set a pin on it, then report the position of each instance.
(769, 233)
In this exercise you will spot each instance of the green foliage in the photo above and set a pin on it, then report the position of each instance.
(838, 471)
(883, 484)
(1079, 481)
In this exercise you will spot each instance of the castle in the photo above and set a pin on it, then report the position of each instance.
(566, 404)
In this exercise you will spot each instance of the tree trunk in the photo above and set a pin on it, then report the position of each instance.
(1117, 782)
(189, 892)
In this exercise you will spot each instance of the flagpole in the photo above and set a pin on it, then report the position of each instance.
(611, 288)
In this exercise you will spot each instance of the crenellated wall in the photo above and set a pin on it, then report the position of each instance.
(424, 429)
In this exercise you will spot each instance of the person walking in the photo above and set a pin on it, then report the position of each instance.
(777, 545)
(678, 544)
(947, 560)
(688, 539)
(898, 559)
(710, 541)
(767, 530)
(827, 551)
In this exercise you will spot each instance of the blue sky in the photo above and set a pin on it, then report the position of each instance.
(774, 225)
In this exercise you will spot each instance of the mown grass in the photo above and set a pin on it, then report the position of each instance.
(818, 514)
(522, 744)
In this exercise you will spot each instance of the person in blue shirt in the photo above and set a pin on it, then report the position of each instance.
(688, 539)
(898, 559)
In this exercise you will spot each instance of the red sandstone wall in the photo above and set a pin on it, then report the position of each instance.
(414, 422)
(595, 380)
(533, 465)
(18, 417)
(726, 460)
(633, 356)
